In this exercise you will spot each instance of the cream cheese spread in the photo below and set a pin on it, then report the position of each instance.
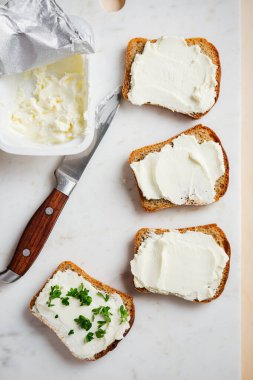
(189, 265)
(174, 75)
(61, 317)
(51, 102)
(184, 172)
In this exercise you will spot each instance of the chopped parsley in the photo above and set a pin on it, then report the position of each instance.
(65, 301)
(81, 294)
(83, 322)
(105, 297)
(97, 310)
(101, 323)
(73, 292)
(123, 314)
(56, 316)
(100, 333)
(71, 332)
(55, 292)
(89, 337)
(104, 311)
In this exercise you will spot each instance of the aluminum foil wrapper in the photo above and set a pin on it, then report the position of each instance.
(38, 32)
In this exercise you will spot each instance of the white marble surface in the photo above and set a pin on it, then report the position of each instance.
(171, 338)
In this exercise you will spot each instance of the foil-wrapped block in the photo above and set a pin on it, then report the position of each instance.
(38, 32)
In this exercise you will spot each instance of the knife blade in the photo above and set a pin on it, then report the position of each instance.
(72, 167)
(67, 176)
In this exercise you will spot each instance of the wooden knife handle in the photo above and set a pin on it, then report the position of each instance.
(36, 232)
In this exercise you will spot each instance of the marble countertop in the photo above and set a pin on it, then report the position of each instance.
(171, 338)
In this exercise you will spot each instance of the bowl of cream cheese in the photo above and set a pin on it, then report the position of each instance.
(47, 110)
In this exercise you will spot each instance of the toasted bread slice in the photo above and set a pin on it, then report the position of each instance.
(136, 46)
(127, 301)
(209, 229)
(201, 133)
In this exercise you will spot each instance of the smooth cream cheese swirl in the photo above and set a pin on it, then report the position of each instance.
(66, 315)
(174, 75)
(189, 265)
(184, 172)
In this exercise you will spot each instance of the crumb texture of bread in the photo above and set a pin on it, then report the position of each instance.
(210, 229)
(125, 299)
(201, 133)
(136, 46)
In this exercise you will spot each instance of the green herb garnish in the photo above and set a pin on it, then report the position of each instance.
(105, 297)
(83, 322)
(89, 337)
(123, 314)
(65, 301)
(81, 294)
(97, 310)
(73, 292)
(104, 312)
(56, 316)
(55, 292)
(101, 323)
(71, 332)
(100, 333)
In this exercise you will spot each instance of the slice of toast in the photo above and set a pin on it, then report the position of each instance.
(201, 133)
(136, 46)
(127, 301)
(209, 229)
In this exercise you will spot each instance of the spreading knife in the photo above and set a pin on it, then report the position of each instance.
(67, 176)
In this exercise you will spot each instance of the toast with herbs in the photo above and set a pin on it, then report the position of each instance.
(126, 299)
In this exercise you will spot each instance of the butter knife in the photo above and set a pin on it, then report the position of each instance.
(67, 176)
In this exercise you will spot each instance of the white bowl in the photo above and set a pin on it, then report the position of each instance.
(13, 142)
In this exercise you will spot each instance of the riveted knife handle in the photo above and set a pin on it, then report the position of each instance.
(37, 232)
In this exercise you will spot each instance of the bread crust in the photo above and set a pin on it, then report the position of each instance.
(209, 229)
(136, 46)
(201, 133)
(127, 300)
